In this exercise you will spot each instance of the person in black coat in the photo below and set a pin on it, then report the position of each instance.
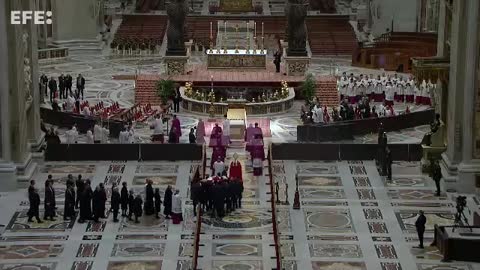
(176, 100)
(420, 226)
(158, 202)
(49, 200)
(436, 174)
(69, 83)
(388, 163)
(277, 60)
(34, 200)
(195, 193)
(52, 85)
(218, 200)
(167, 202)
(191, 136)
(69, 207)
(103, 199)
(86, 203)
(80, 184)
(115, 203)
(149, 206)
(80, 84)
(124, 199)
(96, 204)
(131, 204)
(61, 86)
(137, 207)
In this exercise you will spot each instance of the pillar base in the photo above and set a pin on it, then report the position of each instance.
(296, 65)
(175, 65)
(25, 171)
(462, 177)
(8, 176)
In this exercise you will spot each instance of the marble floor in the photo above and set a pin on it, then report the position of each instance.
(350, 218)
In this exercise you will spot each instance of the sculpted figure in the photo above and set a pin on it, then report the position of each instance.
(176, 12)
(297, 33)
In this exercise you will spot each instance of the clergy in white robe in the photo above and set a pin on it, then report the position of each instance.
(351, 92)
(426, 98)
(158, 132)
(89, 137)
(389, 94)
(70, 104)
(226, 131)
(317, 114)
(409, 91)
(97, 133)
(105, 134)
(420, 91)
(123, 137)
(218, 167)
(72, 135)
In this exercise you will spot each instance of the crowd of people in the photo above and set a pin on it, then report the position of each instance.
(89, 204)
(63, 88)
(385, 88)
(357, 94)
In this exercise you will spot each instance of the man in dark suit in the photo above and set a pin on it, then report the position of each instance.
(277, 60)
(61, 86)
(34, 200)
(80, 84)
(436, 174)
(52, 85)
(69, 83)
(420, 226)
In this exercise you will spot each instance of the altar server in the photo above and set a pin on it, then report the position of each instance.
(342, 86)
(72, 135)
(426, 98)
(97, 133)
(351, 91)
(177, 208)
(389, 94)
(371, 87)
(218, 166)
(226, 131)
(419, 93)
(158, 133)
(409, 90)
(105, 134)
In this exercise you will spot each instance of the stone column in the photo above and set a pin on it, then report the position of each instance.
(75, 20)
(441, 29)
(459, 165)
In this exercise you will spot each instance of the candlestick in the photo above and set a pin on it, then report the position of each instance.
(254, 29)
(211, 30)
(225, 28)
(262, 30)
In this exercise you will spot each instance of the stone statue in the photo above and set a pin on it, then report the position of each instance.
(177, 11)
(27, 71)
(296, 11)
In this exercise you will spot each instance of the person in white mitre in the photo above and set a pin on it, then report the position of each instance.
(123, 136)
(89, 137)
(105, 133)
(72, 135)
(86, 111)
(218, 167)
(97, 133)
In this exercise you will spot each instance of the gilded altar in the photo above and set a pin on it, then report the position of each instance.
(236, 59)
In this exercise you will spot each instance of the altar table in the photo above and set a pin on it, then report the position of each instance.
(240, 59)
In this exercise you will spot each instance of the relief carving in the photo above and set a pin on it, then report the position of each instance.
(27, 70)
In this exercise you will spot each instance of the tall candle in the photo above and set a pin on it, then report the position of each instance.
(225, 28)
(247, 30)
(254, 29)
(211, 30)
(262, 29)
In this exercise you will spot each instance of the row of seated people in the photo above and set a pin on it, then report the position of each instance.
(385, 87)
(135, 46)
(347, 111)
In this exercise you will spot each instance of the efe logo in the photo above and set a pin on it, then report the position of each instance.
(38, 17)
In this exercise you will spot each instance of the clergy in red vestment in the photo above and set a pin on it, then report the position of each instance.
(235, 168)
(176, 126)
(249, 133)
(216, 136)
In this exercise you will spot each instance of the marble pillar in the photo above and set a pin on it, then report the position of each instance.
(76, 22)
(19, 96)
(442, 13)
(459, 164)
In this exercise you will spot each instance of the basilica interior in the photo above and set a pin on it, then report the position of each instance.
(345, 122)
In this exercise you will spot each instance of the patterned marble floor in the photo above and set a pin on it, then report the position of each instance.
(350, 219)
